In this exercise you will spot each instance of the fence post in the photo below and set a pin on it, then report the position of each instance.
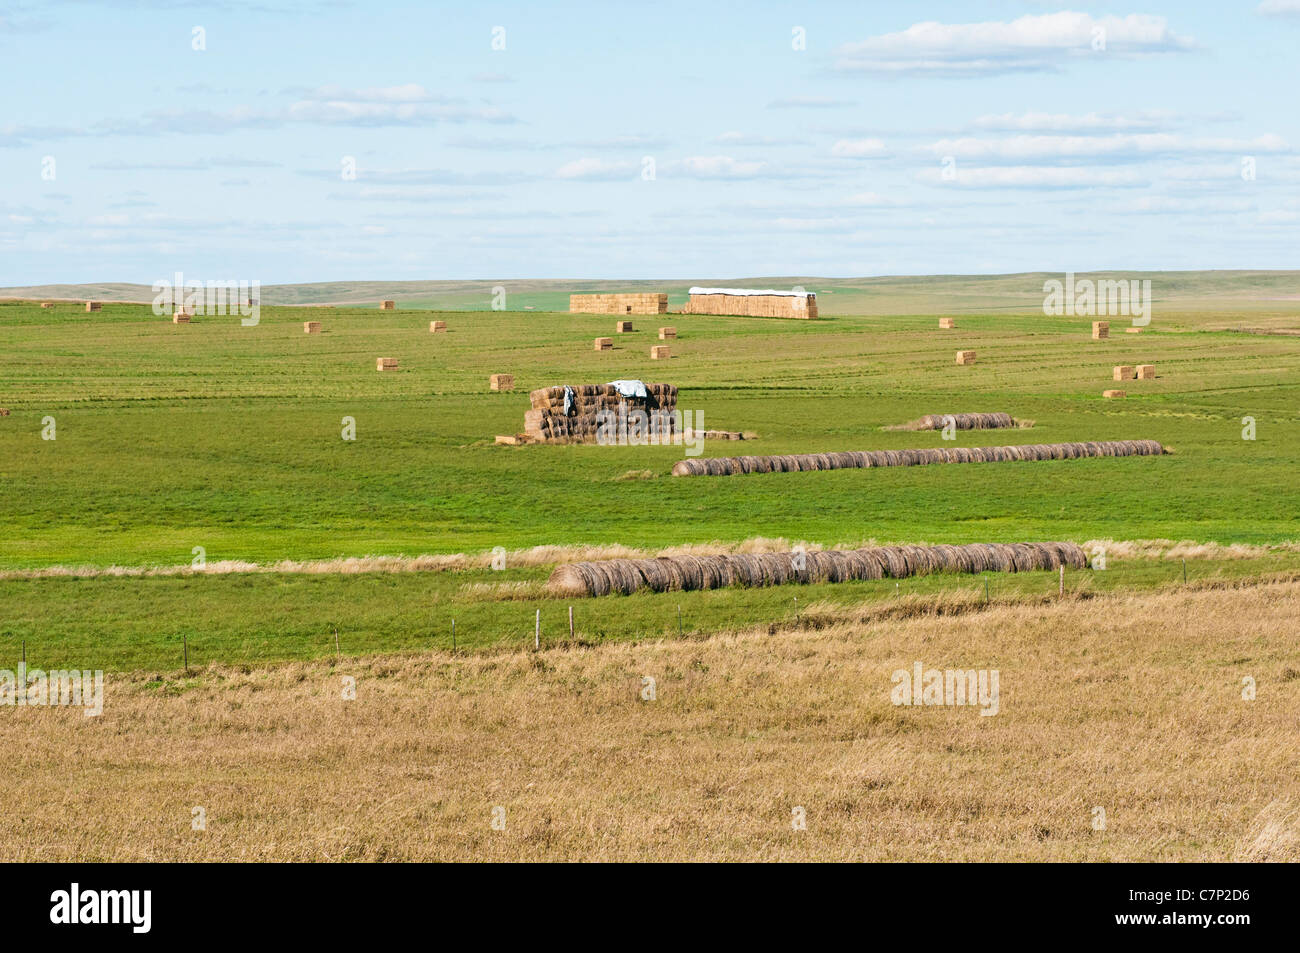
(537, 631)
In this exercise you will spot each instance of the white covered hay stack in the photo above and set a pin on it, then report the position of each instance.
(635, 303)
(670, 573)
(501, 382)
(388, 306)
(386, 364)
(866, 459)
(947, 322)
(1146, 372)
(660, 352)
(965, 357)
(311, 327)
(1122, 372)
(94, 306)
(436, 327)
(667, 334)
(604, 344)
(1100, 330)
(751, 303)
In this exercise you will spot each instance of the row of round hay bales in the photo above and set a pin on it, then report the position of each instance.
(671, 573)
(863, 459)
(961, 422)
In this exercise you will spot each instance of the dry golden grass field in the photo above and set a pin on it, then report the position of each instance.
(1129, 702)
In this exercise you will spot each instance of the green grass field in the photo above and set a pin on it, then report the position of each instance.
(228, 437)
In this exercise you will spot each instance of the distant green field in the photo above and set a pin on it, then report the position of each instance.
(228, 437)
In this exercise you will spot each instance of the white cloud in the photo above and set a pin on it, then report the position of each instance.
(1279, 8)
(1033, 42)
(1062, 122)
(1113, 148)
(859, 149)
(715, 167)
(809, 102)
(1033, 177)
(595, 169)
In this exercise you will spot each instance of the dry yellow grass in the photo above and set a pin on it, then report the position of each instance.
(1129, 703)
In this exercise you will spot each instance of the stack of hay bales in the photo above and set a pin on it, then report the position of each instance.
(94, 306)
(965, 357)
(604, 344)
(666, 334)
(859, 459)
(623, 327)
(1100, 330)
(947, 323)
(547, 422)
(671, 573)
(388, 306)
(501, 382)
(1146, 372)
(311, 327)
(180, 317)
(960, 422)
(437, 327)
(386, 364)
(660, 352)
(635, 303)
(1123, 372)
(751, 303)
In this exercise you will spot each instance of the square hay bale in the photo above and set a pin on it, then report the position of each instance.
(501, 382)
(1132, 330)
(623, 327)
(47, 304)
(667, 334)
(1100, 330)
(1123, 372)
(660, 352)
(4, 411)
(386, 364)
(94, 306)
(512, 439)
(388, 306)
(1146, 372)
(437, 326)
(947, 322)
(180, 317)
(965, 357)
(604, 344)
(1113, 393)
(311, 327)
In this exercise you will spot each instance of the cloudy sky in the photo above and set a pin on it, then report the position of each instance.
(618, 140)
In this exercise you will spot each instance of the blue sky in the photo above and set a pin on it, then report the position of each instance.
(902, 138)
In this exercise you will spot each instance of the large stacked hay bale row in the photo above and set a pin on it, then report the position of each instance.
(858, 459)
(960, 422)
(750, 303)
(670, 573)
(547, 421)
(635, 303)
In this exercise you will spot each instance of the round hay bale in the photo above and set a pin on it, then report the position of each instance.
(568, 580)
